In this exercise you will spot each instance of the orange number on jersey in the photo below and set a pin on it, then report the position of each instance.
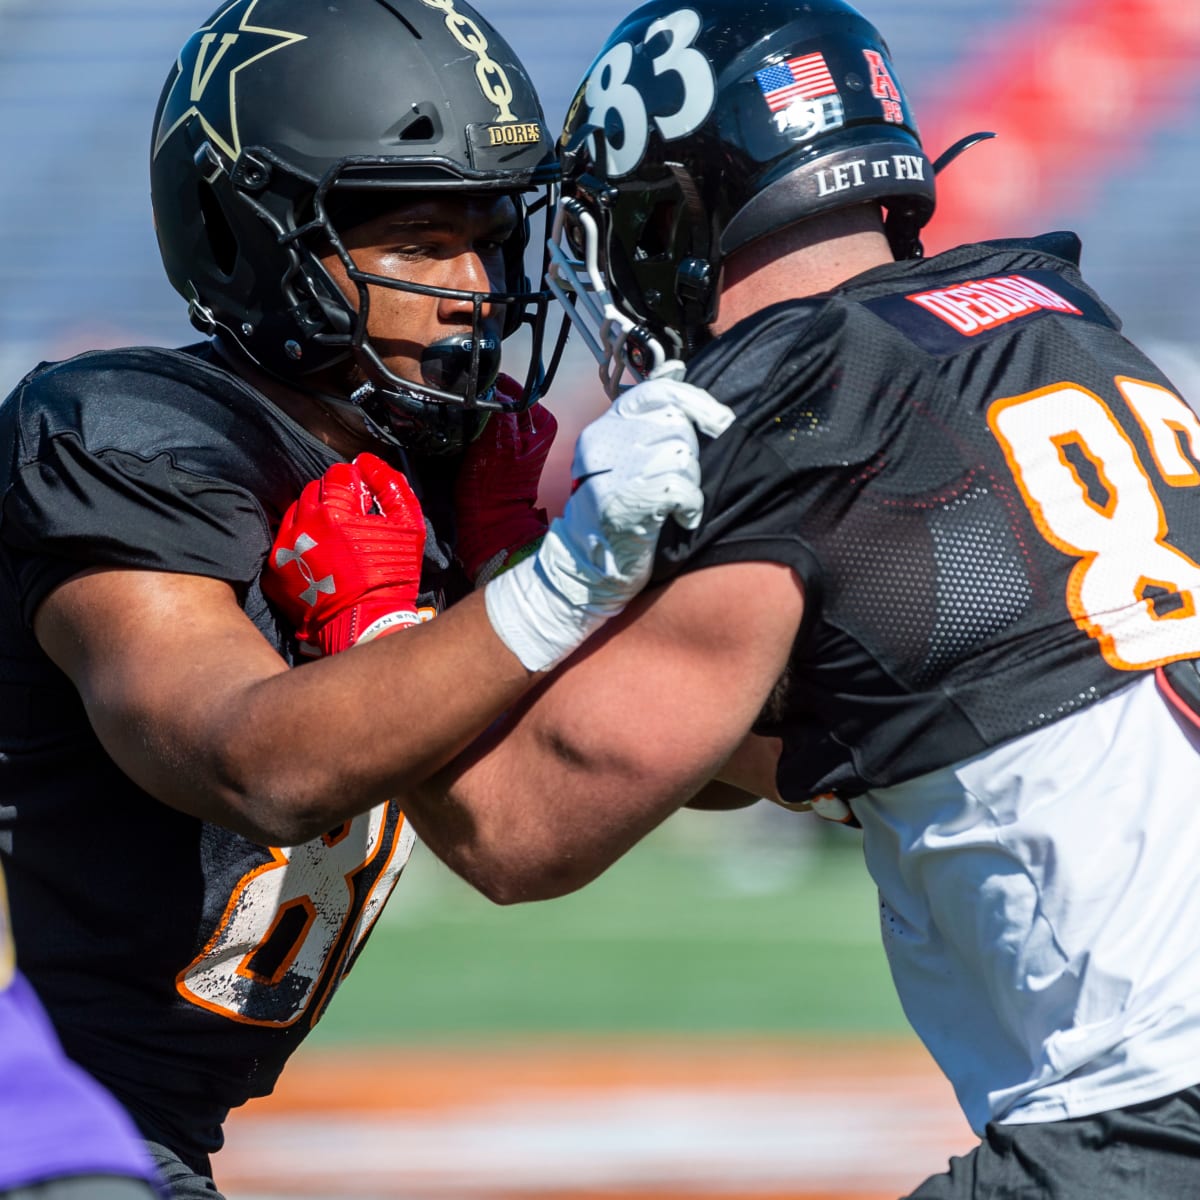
(1091, 497)
(273, 952)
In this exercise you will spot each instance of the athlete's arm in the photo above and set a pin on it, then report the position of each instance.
(750, 769)
(620, 737)
(196, 707)
(745, 778)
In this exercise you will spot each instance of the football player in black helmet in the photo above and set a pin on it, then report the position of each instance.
(198, 839)
(278, 134)
(946, 585)
(671, 166)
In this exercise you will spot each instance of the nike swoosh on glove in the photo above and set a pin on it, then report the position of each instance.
(637, 466)
(345, 566)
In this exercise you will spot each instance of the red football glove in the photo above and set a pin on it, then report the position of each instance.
(496, 493)
(346, 564)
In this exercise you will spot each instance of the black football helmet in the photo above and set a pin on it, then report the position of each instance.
(703, 125)
(281, 124)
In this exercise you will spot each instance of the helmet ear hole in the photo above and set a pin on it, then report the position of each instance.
(221, 239)
(339, 319)
(658, 234)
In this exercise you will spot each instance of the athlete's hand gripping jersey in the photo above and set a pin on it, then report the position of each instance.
(345, 566)
(635, 471)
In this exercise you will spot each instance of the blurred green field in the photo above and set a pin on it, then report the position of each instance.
(757, 922)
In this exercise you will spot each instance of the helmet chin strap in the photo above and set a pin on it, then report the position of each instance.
(378, 405)
(338, 407)
(373, 407)
(355, 409)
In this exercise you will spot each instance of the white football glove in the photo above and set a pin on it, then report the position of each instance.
(635, 466)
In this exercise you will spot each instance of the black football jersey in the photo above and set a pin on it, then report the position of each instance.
(181, 963)
(989, 494)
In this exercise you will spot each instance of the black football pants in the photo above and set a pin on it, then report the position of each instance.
(1148, 1151)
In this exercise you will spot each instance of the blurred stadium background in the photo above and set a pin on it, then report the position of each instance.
(714, 1017)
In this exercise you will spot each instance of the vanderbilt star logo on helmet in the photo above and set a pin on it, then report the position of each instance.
(206, 86)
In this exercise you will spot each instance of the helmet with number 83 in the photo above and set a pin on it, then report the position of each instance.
(703, 126)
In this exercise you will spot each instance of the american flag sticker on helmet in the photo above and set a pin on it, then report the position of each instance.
(804, 78)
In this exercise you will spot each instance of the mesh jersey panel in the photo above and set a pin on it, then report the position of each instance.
(941, 619)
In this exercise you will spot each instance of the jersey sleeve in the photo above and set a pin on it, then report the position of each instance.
(755, 476)
(69, 507)
(749, 511)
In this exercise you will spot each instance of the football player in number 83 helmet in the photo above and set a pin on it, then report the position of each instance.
(693, 134)
(286, 123)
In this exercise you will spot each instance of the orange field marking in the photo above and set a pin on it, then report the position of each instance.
(426, 1078)
(599, 1119)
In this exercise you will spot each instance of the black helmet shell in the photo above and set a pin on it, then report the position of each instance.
(703, 126)
(278, 110)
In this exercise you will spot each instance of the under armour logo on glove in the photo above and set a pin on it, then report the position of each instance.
(316, 587)
(345, 566)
